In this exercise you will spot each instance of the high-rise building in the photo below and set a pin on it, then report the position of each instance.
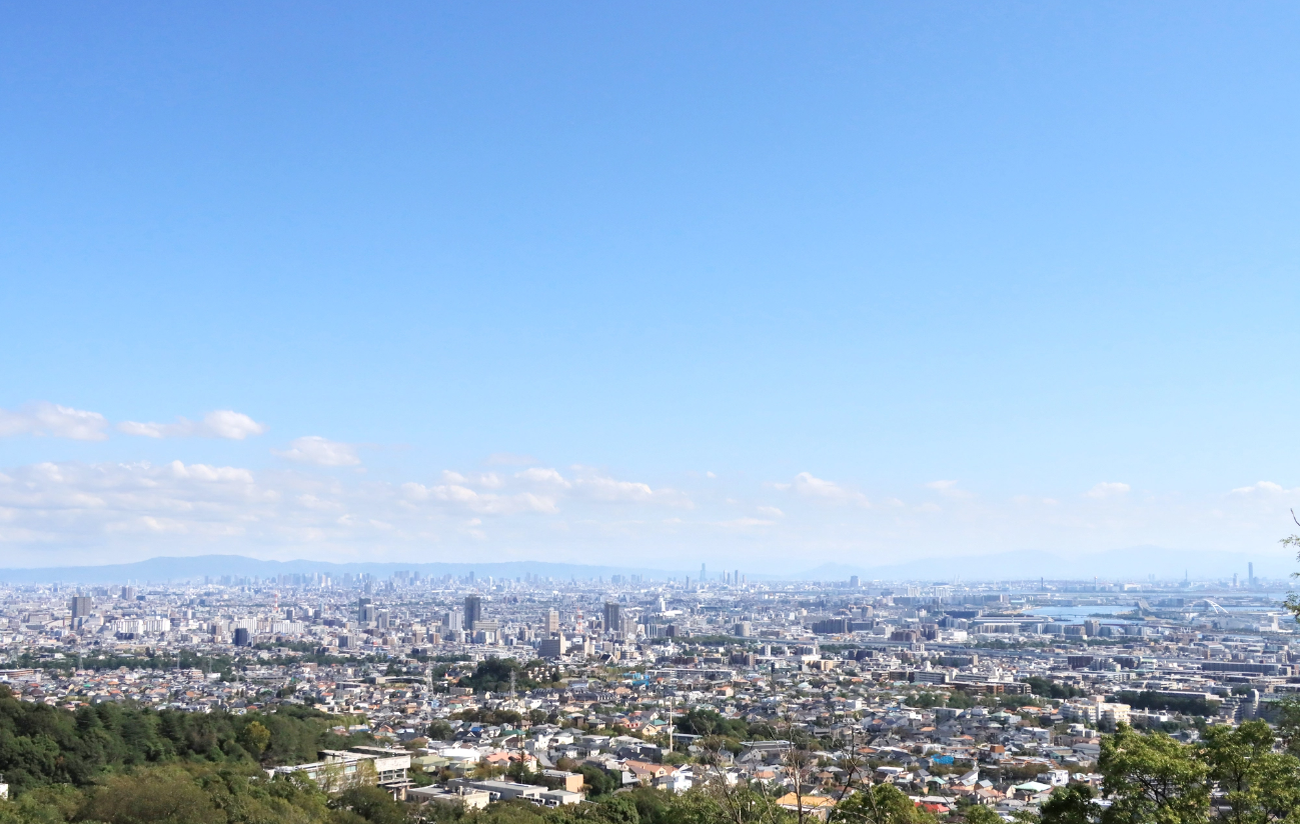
(1250, 574)
(242, 638)
(473, 610)
(80, 606)
(128, 593)
(552, 622)
(552, 647)
(735, 578)
(613, 617)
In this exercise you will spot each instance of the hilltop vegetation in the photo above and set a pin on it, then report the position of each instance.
(42, 745)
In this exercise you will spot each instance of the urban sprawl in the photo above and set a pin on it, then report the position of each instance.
(453, 695)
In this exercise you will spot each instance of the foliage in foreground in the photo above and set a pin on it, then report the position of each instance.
(42, 745)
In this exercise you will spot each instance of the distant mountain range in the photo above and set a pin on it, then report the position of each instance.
(1133, 564)
(195, 568)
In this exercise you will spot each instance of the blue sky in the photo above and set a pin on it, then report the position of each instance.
(761, 283)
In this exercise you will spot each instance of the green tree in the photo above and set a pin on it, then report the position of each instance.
(161, 796)
(255, 738)
(45, 805)
(440, 731)
(1293, 542)
(1070, 805)
(597, 780)
(880, 804)
(1257, 784)
(979, 814)
(1152, 779)
(373, 804)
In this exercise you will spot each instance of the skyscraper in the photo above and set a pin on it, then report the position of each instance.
(613, 617)
(80, 606)
(453, 619)
(552, 622)
(473, 610)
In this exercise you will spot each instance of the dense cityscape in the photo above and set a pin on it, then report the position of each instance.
(465, 692)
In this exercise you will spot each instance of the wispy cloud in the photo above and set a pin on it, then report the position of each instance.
(596, 486)
(810, 486)
(1108, 489)
(1267, 489)
(222, 423)
(948, 489)
(52, 420)
(318, 451)
(577, 513)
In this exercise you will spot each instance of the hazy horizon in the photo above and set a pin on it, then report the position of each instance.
(759, 285)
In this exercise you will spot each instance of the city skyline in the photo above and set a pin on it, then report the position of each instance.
(741, 284)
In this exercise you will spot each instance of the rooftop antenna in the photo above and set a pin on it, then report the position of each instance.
(670, 722)
(428, 696)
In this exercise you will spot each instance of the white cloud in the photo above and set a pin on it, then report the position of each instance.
(549, 477)
(203, 472)
(484, 480)
(812, 487)
(462, 497)
(73, 512)
(74, 502)
(222, 423)
(1107, 489)
(948, 489)
(317, 503)
(318, 451)
(611, 490)
(1266, 488)
(226, 423)
(53, 420)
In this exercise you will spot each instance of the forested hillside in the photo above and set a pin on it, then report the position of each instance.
(120, 764)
